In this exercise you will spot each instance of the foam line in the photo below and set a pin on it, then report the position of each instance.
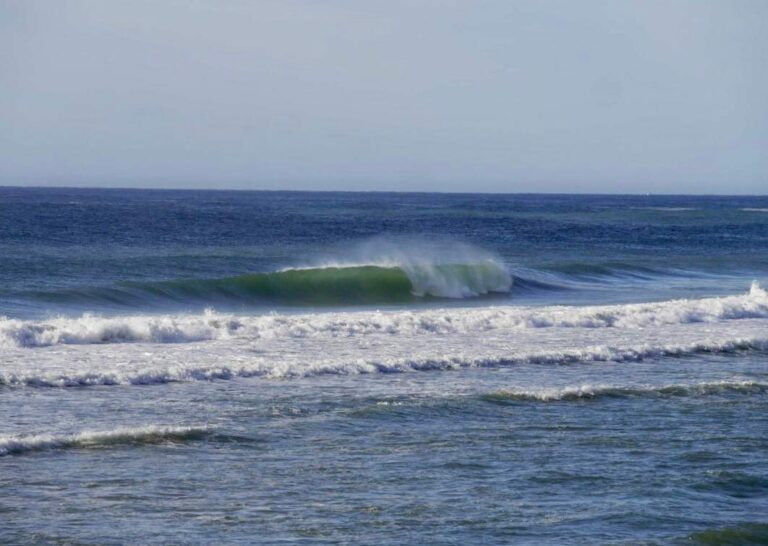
(582, 392)
(286, 369)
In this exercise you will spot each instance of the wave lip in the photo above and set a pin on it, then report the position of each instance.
(588, 392)
(153, 434)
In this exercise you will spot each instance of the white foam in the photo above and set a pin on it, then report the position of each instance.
(284, 361)
(93, 329)
(149, 349)
(90, 329)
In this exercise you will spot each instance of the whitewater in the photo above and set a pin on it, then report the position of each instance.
(91, 329)
(93, 350)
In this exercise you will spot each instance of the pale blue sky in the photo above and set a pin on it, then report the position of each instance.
(494, 95)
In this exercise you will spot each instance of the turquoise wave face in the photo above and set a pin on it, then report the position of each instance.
(366, 284)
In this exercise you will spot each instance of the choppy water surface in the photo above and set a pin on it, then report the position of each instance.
(239, 368)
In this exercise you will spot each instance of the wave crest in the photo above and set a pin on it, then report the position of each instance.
(587, 392)
(153, 434)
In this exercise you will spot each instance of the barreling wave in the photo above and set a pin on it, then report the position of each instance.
(153, 434)
(333, 285)
(589, 392)
(185, 328)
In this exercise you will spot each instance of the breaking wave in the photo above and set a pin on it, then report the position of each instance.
(332, 285)
(184, 328)
(19, 444)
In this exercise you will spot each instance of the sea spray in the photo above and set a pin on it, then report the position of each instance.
(440, 268)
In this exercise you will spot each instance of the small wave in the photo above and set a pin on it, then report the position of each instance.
(15, 445)
(92, 329)
(755, 210)
(582, 392)
(733, 483)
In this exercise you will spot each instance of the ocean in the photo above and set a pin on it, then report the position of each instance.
(223, 367)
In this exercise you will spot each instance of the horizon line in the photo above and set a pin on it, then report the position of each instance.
(415, 192)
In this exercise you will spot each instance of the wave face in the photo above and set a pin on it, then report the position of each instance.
(153, 434)
(331, 285)
(187, 328)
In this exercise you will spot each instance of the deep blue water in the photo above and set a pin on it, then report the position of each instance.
(54, 239)
(199, 367)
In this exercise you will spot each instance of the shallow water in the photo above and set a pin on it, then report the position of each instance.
(614, 393)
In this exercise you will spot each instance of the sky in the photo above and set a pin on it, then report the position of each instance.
(660, 96)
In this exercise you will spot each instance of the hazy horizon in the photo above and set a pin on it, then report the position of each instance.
(374, 190)
(500, 97)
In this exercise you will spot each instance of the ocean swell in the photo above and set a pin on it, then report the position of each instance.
(327, 286)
